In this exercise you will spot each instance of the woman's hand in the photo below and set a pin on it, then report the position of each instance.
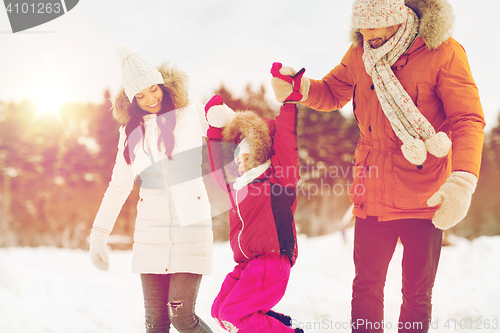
(98, 254)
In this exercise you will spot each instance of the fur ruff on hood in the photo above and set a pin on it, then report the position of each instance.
(175, 82)
(258, 132)
(436, 22)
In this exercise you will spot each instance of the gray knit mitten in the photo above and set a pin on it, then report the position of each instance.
(98, 254)
(455, 197)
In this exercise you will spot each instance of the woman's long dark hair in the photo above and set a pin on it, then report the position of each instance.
(135, 130)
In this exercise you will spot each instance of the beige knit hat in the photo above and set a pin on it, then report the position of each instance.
(137, 73)
(371, 14)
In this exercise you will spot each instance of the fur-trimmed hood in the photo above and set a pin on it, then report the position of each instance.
(258, 132)
(175, 82)
(436, 22)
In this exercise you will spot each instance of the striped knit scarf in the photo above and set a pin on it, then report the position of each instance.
(409, 125)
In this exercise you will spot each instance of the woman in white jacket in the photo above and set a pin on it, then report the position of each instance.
(160, 149)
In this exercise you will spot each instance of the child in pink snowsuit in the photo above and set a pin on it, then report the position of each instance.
(255, 161)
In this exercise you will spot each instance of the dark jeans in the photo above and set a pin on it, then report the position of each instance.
(374, 245)
(170, 299)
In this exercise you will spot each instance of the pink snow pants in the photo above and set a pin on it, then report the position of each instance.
(251, 290)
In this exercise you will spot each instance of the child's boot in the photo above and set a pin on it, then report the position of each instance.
(286, 320)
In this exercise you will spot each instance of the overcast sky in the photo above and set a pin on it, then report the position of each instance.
(215, 41)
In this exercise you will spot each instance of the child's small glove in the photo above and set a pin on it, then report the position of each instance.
(288, 85)
(218, 114)
(98, 254)
(215, 100)
(213, 132)
(455, 197)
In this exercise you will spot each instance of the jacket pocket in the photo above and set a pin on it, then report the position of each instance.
(424, 95)
(358, 188)
(152, 209)
(429, 104)
(190, 201)
(414, 185)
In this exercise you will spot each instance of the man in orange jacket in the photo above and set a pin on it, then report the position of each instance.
(418, 156)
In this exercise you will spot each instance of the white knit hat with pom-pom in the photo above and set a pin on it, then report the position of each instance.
(137, 73)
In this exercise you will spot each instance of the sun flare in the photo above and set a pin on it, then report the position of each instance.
(48, 98)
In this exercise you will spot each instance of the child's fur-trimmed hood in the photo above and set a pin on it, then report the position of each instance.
(175, 82)
(436, 22)
(258, 132)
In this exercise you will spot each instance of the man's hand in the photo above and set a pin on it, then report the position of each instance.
(288, 85)
(454, 196)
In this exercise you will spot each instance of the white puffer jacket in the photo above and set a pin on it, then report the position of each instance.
(173, 229)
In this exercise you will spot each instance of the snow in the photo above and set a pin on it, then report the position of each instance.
(51, 290)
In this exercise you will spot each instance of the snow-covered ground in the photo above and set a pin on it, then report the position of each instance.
(50, 290)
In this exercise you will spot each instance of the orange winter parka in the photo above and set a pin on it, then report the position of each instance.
(436, 74)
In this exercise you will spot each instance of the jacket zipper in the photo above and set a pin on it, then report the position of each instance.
(150, 150)
(242, 226)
